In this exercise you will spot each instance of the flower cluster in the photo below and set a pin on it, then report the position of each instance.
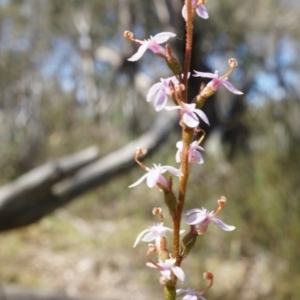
(174, 88)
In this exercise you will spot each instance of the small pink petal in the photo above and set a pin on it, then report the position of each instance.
(231, 88)
(172, 107)
(174, 171)
(139, 181)
(202, 115)
(153, 177)
(190, 119)
(163, 37)
(179, 273)
(204, 74)
(137, 240)
(160, 100)
(153, 90)
(202, 12)
(142, 49)
(222, 225)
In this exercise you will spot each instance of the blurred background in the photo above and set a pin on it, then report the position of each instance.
(66, 84)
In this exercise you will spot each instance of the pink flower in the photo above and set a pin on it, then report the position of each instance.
(194, 154)
(201, 218)
(167, 267)
(162, 90)
(190, 114)
(200, 10)
(153, 45)
(154, 176)
(214, 84)
(154, 233)
(189, 294)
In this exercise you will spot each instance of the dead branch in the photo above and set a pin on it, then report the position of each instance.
(46, 188)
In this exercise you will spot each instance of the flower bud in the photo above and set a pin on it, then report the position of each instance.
(163, 255)
(171, 201)
(188, 242)
(172, 62)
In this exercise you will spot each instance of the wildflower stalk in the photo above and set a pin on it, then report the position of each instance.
(191, 115)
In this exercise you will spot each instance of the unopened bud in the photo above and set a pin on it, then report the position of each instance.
(188, 242)
(163, 255)
(171, 201)
(172, 62)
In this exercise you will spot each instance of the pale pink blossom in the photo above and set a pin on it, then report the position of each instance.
(153, 44)
(189, 294)
(201, 218)
(154, 175)
(215, 83)
(194, 152)
(162, 91)
(167, 267)
(153, 233)
(200, 10)
(190, 114)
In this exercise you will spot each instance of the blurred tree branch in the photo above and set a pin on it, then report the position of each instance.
(48, 187)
